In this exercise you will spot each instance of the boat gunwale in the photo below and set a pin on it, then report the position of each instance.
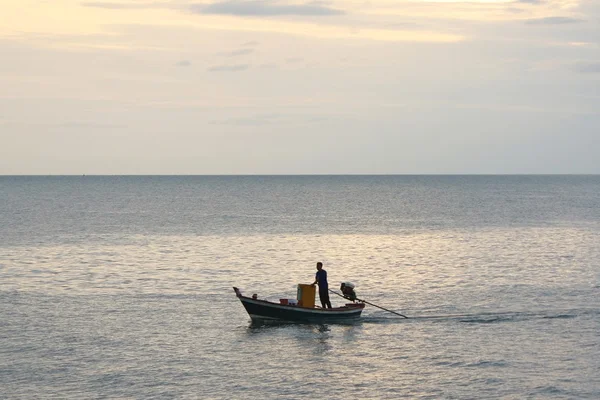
(319, 310)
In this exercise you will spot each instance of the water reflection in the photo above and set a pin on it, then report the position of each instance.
(321, 342)
(349, 333)
(253, 325)
(315, 339)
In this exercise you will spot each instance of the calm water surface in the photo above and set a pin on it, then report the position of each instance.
(120, 287)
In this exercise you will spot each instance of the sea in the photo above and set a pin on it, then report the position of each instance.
(120, 287)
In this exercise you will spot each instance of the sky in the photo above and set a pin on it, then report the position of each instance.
(299, 87)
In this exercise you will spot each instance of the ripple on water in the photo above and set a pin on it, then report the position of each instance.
(128, 321)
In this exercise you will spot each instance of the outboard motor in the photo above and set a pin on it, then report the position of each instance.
(347, 289)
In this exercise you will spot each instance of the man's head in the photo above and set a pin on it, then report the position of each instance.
(319, 266)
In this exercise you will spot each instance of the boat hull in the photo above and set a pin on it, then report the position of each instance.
(261, 310)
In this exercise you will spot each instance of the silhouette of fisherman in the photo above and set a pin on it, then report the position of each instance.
(321, 280)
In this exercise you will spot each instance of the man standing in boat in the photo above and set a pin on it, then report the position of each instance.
(321, 280)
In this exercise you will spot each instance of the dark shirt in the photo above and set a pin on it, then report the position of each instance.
(321, 279)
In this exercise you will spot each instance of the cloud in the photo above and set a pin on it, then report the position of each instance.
(184, 63)
(553, 21)
(229, 68)
(124, 6)
(588, 68)
(237, 53)
(530, 1)
(265, 8)
(255, 120)
(64, 125)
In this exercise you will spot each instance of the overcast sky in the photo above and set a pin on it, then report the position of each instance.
(299, 87)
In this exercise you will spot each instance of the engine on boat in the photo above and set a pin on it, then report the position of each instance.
(347, 289)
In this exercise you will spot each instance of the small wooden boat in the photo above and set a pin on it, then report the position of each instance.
(263, 310)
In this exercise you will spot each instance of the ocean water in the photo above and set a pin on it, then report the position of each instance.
(121, 287)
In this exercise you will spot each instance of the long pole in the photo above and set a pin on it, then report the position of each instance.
(374, 305)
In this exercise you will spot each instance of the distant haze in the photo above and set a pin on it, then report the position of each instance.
(299, 87)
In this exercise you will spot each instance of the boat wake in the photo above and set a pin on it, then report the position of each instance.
(484, 318)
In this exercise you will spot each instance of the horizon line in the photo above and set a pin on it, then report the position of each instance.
(298, 175)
